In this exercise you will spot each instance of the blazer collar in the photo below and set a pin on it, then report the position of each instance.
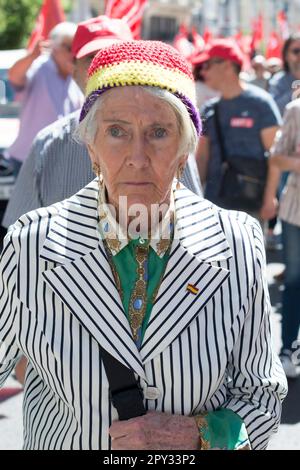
(74, 232)
(79, 273)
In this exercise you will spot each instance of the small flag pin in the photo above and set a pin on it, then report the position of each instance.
(193, 289)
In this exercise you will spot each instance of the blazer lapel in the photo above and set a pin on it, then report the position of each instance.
(83, 279)
(199, 240)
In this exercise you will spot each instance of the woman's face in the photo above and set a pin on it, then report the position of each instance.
(136, 146)
(293, 58)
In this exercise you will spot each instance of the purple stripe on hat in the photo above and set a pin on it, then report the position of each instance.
(192, 110)
(89, 101)
(194, 114)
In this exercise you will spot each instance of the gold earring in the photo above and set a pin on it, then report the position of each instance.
(97, 171)
(180, 171)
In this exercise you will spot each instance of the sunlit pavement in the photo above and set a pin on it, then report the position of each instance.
(287, 438)
(11, 420)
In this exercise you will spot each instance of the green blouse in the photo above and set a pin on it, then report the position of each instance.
(126, 266)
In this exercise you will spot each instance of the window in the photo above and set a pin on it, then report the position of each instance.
(163, 28)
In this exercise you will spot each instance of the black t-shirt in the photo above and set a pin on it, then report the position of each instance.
(241, 119)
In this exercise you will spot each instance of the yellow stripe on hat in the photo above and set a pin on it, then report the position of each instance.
(193, 289)
(141, 73)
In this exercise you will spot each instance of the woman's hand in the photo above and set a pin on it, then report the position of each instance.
(155, 431)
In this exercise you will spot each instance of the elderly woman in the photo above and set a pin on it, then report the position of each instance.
(138, 268)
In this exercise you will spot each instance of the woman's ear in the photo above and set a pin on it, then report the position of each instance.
(183, 159)
(92, 153)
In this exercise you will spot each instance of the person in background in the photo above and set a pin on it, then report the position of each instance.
(44, 86)
(281, 84)
(57, 165)
(203, 92)
(249, 118)
(260, 76)
(281, 87)
(273, 65)
(285, 157)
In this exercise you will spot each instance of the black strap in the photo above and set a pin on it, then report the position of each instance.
(219, 133)
(125, 392)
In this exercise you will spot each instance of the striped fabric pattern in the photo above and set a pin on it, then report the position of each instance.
(58, 167)
(59, 302)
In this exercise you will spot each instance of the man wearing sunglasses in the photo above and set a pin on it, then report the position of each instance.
(44, 85)
(281, 85)
(241, 123)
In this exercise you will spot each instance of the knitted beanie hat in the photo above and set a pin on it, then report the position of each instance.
(150, 63)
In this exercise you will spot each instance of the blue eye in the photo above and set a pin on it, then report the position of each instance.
(159, 132)
(115, 132)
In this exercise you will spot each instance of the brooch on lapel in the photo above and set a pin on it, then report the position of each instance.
(193, 289)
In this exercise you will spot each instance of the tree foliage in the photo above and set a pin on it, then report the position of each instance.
(17, 18)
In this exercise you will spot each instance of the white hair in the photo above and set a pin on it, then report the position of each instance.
(87, 129)
(62, 30)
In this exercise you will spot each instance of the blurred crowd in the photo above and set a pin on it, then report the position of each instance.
(250, 137)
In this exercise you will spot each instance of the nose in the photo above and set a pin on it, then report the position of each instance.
(137, 152)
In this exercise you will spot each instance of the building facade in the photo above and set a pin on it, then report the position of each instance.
(226, 17)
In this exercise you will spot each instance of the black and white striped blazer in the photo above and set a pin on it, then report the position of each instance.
(59, 302)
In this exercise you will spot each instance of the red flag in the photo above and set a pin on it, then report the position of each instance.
(207, 35)
(118, 8)
(130, 11)
(135, 16)
(257, 32)
(274, 46)
(238, 36)
(244, 43)
(198, 40)
(283, 25)
(181, 42)
(50, 15)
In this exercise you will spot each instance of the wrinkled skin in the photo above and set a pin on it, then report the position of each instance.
(155, 431)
